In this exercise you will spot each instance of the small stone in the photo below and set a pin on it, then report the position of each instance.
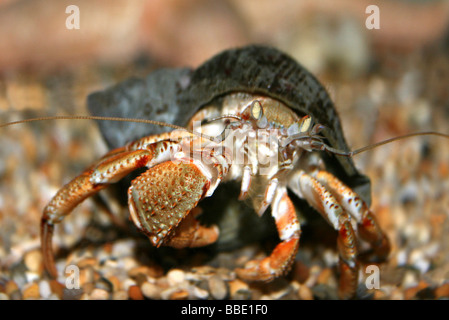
(88, 287)
(84, 296)
(199, 293)
(33, 261)
(10, 287)
(179, 295)
(305, 293)
(104, 284)
(44, 289)
(53, 297)
(410, 293)
(442, 291)
(86, 275)
(107, 248)
(314, 272)
(99, 294)
(153, 271)
(324, 276)
(31, 276)
(135, 293)
(300, 272)
(145, 270)
(87, 262)
(120, 295)
(31, 291)
(128, 283)
(57, 288)
(239, 290)
(218, 288)
(116, 285)
(121, 249)
(129, 263)
(175, 277)
(3, 296)
(151, 291)
(324, 292)
(16, 295)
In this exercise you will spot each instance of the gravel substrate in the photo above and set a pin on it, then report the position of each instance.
(410, 197)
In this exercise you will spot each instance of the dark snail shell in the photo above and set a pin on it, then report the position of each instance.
(265, 70)
(175, 95)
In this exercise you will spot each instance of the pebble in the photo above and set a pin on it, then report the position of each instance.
(410, 293)
(104, 284)
(181, 294)
(99, 294)
(127, 283)
(218, 288)
(151, 291)
(300, 272)
(128, 263)
(175, 277)
(135, 293)
(120, 295)
(44, 289)
(151, 271)
(87, 262)
(199, 293)
(57, 288)
(116, 285)
(31, 291)
(324, 276)
(33, 261)
(10, 287)
(442, 291)
(239, 290)
(305, 293)
(122, 248)
(88, 287)
(3, 296)
(313, 275)
(86, 275)
(174, 294)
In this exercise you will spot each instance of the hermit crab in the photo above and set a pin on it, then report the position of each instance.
(251, 116)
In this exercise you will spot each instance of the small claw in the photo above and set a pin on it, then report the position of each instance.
(348, 281)
(273, 266)
(190, 234)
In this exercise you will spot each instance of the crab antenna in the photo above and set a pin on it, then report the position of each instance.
(323, 146)
(135, 120)
(405, 136)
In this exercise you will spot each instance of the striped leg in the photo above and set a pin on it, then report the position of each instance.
(325, 203)
(367, 225)
(284, 253)
(111, 168)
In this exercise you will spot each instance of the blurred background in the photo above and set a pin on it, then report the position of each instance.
(385, 82)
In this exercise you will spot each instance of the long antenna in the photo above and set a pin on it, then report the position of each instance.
(405, 136)
(164, 124)
(135, 120)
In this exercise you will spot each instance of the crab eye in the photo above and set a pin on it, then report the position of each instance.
(305, 124)
(256, 110)
(302, 126)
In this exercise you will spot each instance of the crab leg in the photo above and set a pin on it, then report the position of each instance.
(367, 225)
(110, 169)
(325, 203)
(284, 253)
